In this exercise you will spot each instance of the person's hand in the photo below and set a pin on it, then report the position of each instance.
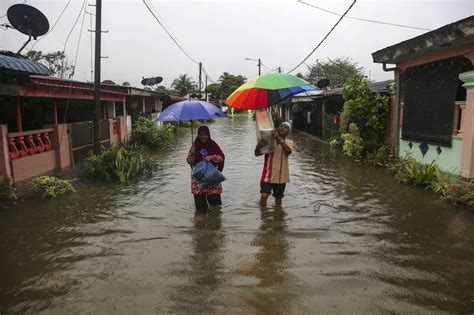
(193, 149)
(276, 135)
(210, 158)
(262, 143)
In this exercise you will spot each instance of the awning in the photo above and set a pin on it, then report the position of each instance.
(22, 65)
(41, 86)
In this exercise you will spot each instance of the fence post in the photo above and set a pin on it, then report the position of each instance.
(5, 167)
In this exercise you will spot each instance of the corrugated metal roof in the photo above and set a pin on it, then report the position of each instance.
(23, 65)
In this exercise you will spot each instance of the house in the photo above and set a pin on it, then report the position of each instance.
(434, 105)
(317, 112)
(46, 122)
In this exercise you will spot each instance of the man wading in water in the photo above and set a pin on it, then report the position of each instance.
(275, 173)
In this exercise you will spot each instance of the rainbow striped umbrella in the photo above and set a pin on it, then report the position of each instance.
(266, 90)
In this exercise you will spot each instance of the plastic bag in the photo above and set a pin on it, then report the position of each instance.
(264, 127)
(199, 169)
(207, 174)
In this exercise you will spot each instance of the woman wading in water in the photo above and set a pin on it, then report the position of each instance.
(204, 148)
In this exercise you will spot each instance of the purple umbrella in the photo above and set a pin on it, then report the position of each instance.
(191, 110)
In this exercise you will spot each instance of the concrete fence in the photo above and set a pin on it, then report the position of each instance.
(27, 154)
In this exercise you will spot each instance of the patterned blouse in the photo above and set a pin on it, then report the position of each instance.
(215, 189)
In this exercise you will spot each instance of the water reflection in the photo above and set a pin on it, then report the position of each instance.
(202, 272)
(270, 286)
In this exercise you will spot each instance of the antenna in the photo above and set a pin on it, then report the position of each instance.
(27, 20)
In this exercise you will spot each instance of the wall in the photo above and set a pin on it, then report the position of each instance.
(33, 165)
(5, 168)
(449, 160)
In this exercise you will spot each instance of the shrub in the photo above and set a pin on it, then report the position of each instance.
(51, 187)
(118, 163)
(7, 188)
(379, 157)
(409, 171)
(459, 192)
(147, 133)
(352, 142)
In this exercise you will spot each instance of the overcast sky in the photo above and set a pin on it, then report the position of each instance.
(222, 33)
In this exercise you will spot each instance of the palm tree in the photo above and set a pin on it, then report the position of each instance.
(183, 84)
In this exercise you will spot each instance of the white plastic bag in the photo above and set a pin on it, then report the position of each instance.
(264, 126)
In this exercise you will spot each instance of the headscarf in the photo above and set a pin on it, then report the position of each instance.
(208, 148)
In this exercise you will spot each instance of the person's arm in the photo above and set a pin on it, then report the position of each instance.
(259, 146)
(191, 155)
(279, 140)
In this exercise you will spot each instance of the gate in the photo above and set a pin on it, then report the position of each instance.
(82, 139)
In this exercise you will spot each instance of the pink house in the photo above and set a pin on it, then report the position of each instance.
(434, 106)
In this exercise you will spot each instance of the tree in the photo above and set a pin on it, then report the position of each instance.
(214, 89)
(56, 62)
(229, 83)
(161, 89)
(183, 84)
(336, 70)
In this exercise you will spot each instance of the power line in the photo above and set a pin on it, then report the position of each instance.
(169, 34)
(362, 19)
(83, 8)
(327, 35)
(54, 25)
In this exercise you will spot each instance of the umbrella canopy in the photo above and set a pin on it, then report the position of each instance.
(266, 90)
(191, 110)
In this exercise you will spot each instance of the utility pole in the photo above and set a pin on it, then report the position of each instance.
(279, 69)
(200, 78)
(259, 66)
(205, 89)
(98, 33)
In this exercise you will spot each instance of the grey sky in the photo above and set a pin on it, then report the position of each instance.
(222, 33)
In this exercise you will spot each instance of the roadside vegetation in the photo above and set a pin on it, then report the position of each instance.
(119, 163)
(148, 134)
(51, 187)
(452, 189)
(7, 188)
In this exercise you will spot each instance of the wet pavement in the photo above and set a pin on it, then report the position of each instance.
(348, 240)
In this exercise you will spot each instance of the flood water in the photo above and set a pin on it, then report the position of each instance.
(348, 240)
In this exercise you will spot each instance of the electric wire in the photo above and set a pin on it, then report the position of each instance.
(71, 76)
(83, 8)
(327, 35)
(362, 19)
(54, 25)
(169, 34)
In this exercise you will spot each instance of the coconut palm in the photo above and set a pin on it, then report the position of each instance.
(183, 84)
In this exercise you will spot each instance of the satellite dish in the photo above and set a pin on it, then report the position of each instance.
(27, 20)
(323, 83)
(151, 81)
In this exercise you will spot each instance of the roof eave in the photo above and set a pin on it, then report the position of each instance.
(445, 38)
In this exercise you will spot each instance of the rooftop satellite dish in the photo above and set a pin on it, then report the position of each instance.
(151, 81)
(27, 20)
(323, 83)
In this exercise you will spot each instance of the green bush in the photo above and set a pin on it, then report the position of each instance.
(409, 171)
(7, 188)
(379, 157)
(352, 142)
(51, 187)
(118, 163)
(147, 133)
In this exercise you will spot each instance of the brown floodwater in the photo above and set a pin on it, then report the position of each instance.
(347, 240)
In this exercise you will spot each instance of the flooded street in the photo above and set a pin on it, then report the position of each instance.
(349, 239)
